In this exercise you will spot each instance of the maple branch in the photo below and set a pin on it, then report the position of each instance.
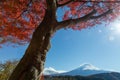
(99, 1)
(59, 5)
(25, 9)
(65, 23)
(1, 1)
(104, 14)
(89, 16)
(51, 9)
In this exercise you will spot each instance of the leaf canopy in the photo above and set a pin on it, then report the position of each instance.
(19, 18)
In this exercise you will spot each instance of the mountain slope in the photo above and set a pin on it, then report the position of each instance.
(85, 70)
(108, 76)
(70, 78)
(102, 76)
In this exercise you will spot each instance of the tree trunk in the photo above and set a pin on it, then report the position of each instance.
(31, 65)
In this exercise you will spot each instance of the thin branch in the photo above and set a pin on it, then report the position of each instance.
(59, 5)
(89, 16)
(104, 14)
(65, 23)
(25, 9)
(98, 1)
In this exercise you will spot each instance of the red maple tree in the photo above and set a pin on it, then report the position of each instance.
(19, 19)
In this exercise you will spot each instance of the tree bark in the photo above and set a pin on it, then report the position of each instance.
(31, 65)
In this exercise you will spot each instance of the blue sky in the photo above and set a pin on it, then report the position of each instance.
(99, 46)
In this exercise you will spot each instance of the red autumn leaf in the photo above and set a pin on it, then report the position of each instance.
(19, 18)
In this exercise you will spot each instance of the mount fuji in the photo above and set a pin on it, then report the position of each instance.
(82, 70)
(85, 70)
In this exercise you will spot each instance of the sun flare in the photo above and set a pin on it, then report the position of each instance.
(115, 28)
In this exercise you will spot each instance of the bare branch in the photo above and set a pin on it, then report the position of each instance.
(89, 16)
(65, 23)
(104, 14)
(59, 5)
(98, 1)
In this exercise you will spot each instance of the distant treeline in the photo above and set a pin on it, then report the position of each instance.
(6, 69)
(70, 78)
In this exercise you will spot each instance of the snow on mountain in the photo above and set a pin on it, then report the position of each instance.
(85, 70)
(87, 66)
(51, 71)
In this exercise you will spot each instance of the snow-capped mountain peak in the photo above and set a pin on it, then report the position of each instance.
(49, 68)
(85, 70)
(87, 66)
(51, 71)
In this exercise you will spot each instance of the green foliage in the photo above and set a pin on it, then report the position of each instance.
(6, 69)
